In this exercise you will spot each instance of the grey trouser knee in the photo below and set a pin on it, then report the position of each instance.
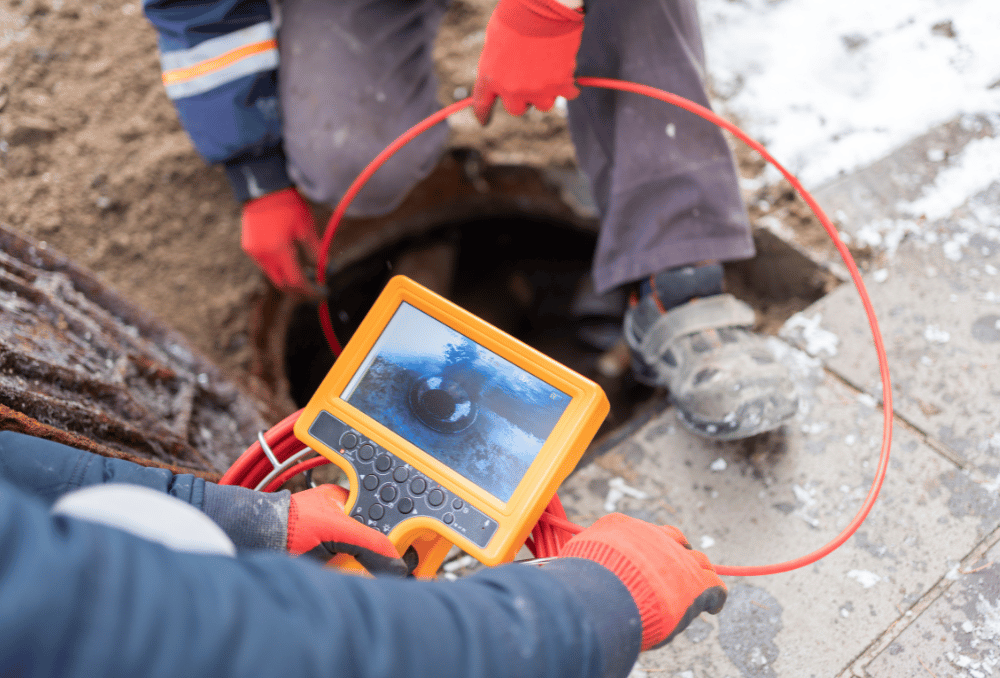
(354, 75)
(663, 179)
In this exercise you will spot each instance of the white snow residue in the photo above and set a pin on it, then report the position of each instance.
(817, 340)
(831, 87)
(988, 624)
(867, 400)
(864, 577)
(936, 335)
(718, 465)
(803, 495)
(886, 234)
(618, 490)
(973, 171)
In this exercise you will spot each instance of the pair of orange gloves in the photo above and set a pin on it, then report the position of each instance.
(528, 59)
(670, 583)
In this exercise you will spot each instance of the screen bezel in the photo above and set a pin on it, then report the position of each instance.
(554, 460)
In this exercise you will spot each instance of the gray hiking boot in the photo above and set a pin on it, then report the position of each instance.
(723, 379)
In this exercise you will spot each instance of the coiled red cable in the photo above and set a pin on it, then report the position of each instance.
(553, 528)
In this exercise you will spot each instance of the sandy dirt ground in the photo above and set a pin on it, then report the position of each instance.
(94, 162)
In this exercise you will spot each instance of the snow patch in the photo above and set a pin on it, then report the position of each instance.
(618, 490)
(864, 577)
(817, 340)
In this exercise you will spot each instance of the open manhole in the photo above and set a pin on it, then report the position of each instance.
(516, 253)
(522, 273)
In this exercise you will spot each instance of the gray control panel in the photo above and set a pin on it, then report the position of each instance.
(390, 490)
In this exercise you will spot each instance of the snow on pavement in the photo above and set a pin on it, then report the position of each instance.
(832, 87)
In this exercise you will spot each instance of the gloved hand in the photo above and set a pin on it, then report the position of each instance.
(272, 225)
(528, 58)
(318, 526)
(670, 583)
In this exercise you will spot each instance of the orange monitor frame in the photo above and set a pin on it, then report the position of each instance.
(449, 430)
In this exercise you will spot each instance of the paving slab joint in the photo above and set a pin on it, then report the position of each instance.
(858, 667)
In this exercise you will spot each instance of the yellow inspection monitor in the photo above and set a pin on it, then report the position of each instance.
(449, 430)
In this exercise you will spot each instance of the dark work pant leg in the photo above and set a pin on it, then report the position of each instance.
(353, 76)
(663, 179)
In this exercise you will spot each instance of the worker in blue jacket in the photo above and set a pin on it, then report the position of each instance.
(79, 598)
(294, 98)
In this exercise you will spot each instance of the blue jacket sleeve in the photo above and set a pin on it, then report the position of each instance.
(219, 61)
(81, 599)
(46, 469)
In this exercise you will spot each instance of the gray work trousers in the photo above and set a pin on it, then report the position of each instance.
(355, 74)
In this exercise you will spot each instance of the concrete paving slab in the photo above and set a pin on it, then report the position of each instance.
(882, 190)
(938, 306)
(777, 498)
(958, 635)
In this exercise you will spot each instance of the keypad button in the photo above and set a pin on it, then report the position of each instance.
(376, 511)
(401, 474)
(448, 518)
(435, 497)
(387, 493)
(418, 486)
(360, 518)
(457, 504)
(405, 505)
(366, 452)
(349, 440)
(370, 482)
(383, 463)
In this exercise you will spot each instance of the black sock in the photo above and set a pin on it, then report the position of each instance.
(676, 286)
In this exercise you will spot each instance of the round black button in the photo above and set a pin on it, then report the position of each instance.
(366, 452)
(457, 504)
(405, 505)
(436, 497)
(383, 463)
(387, 493)
(418, 486)
(401, 474)
(360, 518)
(448, 518)
(348, 440)
(370, 482)
(376, 511)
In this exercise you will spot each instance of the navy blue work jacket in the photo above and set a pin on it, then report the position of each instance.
(81, 599)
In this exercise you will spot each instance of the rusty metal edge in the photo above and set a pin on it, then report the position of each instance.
(12, 420)
(102, 294)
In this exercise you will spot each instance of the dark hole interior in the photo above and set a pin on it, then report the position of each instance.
(438, 403)
(519, 272)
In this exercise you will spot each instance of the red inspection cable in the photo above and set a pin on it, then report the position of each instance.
(553, 528)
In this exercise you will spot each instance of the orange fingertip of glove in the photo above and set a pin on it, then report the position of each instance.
(656, 564)
(271, 225)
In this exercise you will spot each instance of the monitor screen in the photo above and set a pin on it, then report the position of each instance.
(459, 402)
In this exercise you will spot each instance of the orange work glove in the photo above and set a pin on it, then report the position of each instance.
(528, 58)
(670, 583)
(319, 526)
(272, 225)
